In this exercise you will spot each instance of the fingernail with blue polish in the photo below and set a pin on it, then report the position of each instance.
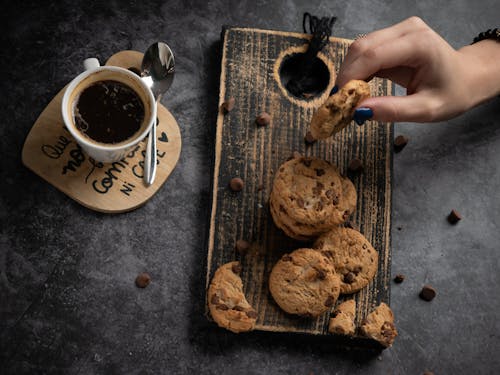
(362, 114)
(334, 90)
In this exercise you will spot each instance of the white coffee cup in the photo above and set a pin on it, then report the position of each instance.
(107, 152)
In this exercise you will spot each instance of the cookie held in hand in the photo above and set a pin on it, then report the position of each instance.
(337, 112)
(226, 300)
(304, 283)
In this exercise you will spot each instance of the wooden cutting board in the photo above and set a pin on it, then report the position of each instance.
(51, 152)
(250, 73)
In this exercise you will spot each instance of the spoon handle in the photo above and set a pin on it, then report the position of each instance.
(150, 158)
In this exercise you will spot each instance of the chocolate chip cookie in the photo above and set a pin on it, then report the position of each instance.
(379, 325)
(354, 258)
(309, 197)
(342, 319)
(304, 282)
(337, 112)
(226, 300)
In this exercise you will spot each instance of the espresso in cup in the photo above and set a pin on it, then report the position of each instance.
(108, 112)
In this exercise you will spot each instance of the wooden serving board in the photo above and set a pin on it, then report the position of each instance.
(250, 73)
(51, 152)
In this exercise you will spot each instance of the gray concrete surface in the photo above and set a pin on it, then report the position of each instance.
(68, 303)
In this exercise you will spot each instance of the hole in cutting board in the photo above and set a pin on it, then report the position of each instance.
(292, 69)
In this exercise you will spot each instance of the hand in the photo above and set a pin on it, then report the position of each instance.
(440, 81)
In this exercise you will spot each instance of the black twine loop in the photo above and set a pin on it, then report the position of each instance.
(321, 30)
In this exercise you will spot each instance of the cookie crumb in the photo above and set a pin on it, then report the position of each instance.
(399, 278)
(355, 165)
(427, 293)
(142, 280)
(236, 184)
(242, 246)
(263, 119)
(454, 217)
(400, 142)
(228, 105)
(309, 139)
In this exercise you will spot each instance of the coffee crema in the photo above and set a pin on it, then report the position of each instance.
(108, 112)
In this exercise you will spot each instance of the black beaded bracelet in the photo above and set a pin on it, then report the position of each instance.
(490, 34)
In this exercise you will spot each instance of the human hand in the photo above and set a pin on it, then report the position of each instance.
(440, 81)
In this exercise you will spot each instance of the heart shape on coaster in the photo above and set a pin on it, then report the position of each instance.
(163, 137)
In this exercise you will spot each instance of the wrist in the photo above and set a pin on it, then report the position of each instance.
(481, 70)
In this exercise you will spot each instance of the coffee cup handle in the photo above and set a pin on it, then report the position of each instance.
(91, 63)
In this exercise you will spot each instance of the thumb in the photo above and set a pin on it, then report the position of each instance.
(417, 107)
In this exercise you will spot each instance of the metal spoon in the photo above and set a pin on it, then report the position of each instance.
(158, 67)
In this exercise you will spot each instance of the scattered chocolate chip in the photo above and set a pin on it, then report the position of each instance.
(329, 301)
(263, 119)
(355, 165)
(286, 258)
(142, 280)
(242, 246)
(221, 306)
(349, 277)
(215, 299)
(236, 184)
(306, 162)
(252, 314)
(236, 268)
(400, 142)
(427, 293)
(309, 139)
(454, 217)
(399, 278)
(320, 172)
(133, 69)
(228, 105)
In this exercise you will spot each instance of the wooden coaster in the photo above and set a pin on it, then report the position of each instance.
(250, 72)
(51, 152)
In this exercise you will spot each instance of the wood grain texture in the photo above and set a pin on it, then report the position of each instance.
(250, 73)
(51, 152)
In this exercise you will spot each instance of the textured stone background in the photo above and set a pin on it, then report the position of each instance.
(68, 303)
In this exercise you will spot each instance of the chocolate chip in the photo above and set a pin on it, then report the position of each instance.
(454, 217)
(215, 299)
(236, 268)
(357, 270)
(427, 293)
(300, 203)
(283, 209)
(329, 301)
(399, 228)
(321, 274)
(399, 278)
(309, 139)
(349, 277)
(236, 184)
(388, 330)
(319, 206)
(263, 119)
(222, 307)
(320, 172)
(329, 194)
(252, 314)
(400, 142)
(228, 105)
(242, 246)
(306, 162)
(142, 280)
